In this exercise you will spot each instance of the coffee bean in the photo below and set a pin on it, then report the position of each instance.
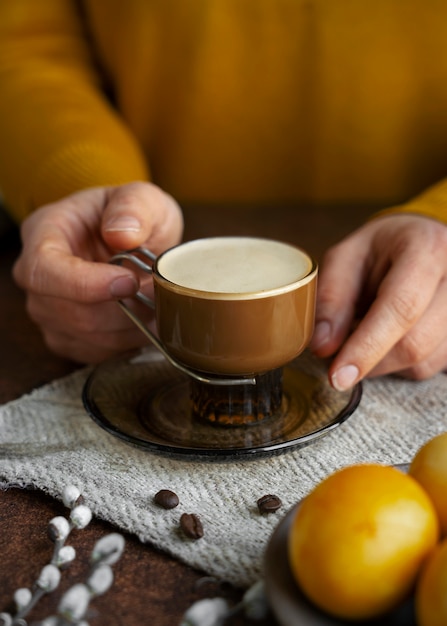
(166, 499)
(191, 525)
(269, 503)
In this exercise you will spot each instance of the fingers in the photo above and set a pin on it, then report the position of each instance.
(423, 350)
(86, 333)
(84, 350)
(397, 265)
(340, 282)
(435, 363)
(141, 213)
(52, 271)
(397, 308)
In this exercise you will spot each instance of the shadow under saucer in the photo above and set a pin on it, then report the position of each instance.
(143, 400)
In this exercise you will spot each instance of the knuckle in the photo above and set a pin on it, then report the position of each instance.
(417, 350)
(85, 322)
(421, 371)
(31, 271)
(441, 237)
(73, 348)
(414, 348)
(128, 193)
(326, 292)
(331, 254)
(133, 194)
(404, 307)
(33, 309)
(17, 272)
(53, 342)
(81, 286)
(25, 272)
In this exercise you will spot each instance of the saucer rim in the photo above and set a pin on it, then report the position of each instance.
(198, 453)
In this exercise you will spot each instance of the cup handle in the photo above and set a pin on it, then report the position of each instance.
(131, 257)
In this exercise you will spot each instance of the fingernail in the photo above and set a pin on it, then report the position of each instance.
(345, 377)
(123, 287)
(321, 335)
(123, 223)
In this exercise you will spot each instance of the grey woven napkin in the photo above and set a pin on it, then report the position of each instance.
(48, 441)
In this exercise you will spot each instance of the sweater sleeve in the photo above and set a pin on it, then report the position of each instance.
(58, 131)
(432, 203)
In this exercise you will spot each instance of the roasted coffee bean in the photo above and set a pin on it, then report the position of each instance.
(166, 499)
(269, 503)
(191, 525)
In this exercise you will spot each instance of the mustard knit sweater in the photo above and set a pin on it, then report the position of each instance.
(226, 101)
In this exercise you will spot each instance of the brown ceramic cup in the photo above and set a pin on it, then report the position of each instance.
(230, 312)
(234, 306)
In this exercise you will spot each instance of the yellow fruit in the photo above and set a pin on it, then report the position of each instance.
(358, 540)
(431, 591)
(429, 468)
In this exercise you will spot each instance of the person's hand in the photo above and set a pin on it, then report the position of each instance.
(382, 301)
(63, 267)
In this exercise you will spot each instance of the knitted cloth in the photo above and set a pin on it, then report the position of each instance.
(47, 441)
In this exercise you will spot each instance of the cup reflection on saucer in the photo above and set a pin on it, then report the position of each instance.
(236, 405)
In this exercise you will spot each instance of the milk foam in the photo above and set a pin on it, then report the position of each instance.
(234, 265)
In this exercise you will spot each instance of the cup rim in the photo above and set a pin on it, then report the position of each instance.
(235, 296)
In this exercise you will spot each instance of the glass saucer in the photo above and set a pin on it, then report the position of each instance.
(143, 400)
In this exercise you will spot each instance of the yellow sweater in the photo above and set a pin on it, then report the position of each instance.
(247, 101)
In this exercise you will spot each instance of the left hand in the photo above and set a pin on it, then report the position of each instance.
(71, 288)
(382, 301)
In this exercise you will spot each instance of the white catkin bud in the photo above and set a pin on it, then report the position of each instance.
(59, 528)
(65, 556)
(207, 612)
(5, 619)
(100, 580)
(70, 495)
(74, 603)
(22, 597)
(108, 549)
(80, 516)
(52, 620)
(255, 602)
(49, 578)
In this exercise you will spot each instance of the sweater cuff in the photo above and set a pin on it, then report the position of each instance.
(431, 203)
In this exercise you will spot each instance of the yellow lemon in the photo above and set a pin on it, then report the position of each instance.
(431, 591)
(429, 468)
(358, 540)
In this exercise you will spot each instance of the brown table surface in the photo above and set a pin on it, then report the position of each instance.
(150, 587)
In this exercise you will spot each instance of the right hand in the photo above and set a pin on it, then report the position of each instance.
(382, 297)
(63, 267)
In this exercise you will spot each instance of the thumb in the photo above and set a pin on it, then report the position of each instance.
(126, 219)
(137, 213)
